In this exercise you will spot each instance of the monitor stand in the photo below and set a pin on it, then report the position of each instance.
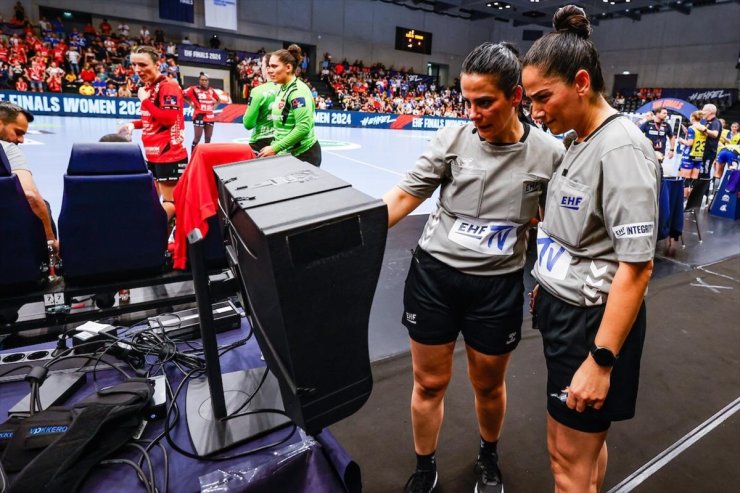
(210, 435)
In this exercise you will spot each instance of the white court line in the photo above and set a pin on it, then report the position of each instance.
(701, 268)
(366, 164)
(712, 288)
(663, 458)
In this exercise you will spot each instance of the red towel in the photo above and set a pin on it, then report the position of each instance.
(196, 197)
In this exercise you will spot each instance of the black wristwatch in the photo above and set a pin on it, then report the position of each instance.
(603, 356)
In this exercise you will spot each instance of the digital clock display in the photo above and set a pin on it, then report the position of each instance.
(413, 40)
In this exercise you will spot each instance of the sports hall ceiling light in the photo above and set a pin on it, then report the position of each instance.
(635, 15)
(680, 7)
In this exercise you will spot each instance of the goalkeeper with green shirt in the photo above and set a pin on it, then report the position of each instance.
(292, 111)
(258, 116)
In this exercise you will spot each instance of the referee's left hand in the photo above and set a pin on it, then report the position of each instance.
(589, 386)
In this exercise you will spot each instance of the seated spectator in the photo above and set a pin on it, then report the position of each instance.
(21, 85)
(110, 89)
(70, 84)
(99, 86)
(87, 74)
(102, 71)
(86, 89)
(124, 91)
(89, 29)
(54, 82)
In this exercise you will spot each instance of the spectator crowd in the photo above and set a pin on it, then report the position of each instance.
(95, 62)
(91, 62)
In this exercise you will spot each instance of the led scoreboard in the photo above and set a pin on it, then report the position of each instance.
(413, 40)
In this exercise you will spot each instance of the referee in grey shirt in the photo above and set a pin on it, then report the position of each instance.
(466, 273)
(595, 252)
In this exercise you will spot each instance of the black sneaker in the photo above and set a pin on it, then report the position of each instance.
(489, 475)
(421, 482)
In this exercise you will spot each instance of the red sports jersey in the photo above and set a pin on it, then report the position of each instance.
(36, 73)
(163, 123)
(204, 101)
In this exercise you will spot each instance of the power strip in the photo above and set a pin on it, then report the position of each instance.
(185, 324)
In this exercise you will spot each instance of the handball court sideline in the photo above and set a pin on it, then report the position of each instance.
(686, 434)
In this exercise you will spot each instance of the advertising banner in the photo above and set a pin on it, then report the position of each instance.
(62, 104)
(197, 55)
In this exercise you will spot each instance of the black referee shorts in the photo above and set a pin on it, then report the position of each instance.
(568, 333)
(440, 302)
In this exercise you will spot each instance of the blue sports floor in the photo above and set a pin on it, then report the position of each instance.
(371, 160)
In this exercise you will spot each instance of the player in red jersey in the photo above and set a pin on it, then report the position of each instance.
(162, 123)
(204, 100)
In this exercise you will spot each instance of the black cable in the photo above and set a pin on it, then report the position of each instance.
(150, 445)
(170, 426)
(145, 455)
(249, 399)
(8, 372)
(32, 398)
(139, 472)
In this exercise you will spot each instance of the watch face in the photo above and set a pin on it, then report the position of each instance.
(603, 356)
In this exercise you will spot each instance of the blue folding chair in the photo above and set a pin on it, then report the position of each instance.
(112, 226)
(24, 258)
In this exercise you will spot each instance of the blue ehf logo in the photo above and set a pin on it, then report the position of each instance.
(499, 233)
(571, 202)
(552, 254)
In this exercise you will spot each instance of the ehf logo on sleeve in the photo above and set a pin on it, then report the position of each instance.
(169, 100)
(298, 103)
(553, 260)
(532, 187)
(634, 230)
(484, 237)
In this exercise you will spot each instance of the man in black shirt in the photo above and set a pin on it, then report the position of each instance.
(712, 128)
(657, 130)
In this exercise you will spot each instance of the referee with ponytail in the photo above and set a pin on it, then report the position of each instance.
(595, 250)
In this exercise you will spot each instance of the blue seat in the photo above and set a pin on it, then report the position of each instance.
(24, 258)
(112, 226)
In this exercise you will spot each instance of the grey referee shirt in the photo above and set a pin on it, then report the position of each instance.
(602, 208)
(488, 195)
(15, 157)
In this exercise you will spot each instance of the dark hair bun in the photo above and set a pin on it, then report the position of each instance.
(297, 53)
(572, 19)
